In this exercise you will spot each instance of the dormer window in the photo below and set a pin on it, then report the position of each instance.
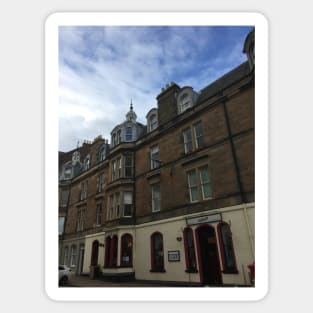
(119, 137)
(68, 172)
(113, 140)
(153, 122)
(186, 99)
(152, 119)
(184, 102)
(87, 163)
(129, 133)
(101, 155)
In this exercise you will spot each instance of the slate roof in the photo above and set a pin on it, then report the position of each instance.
(228, 79)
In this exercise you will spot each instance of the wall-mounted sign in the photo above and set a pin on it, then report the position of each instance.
(173, 256)
(204, 219)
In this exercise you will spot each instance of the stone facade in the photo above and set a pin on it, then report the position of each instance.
(175, 201)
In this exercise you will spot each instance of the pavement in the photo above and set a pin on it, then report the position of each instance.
(85, 281)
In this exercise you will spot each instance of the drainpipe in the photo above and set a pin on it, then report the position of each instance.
(234, 155)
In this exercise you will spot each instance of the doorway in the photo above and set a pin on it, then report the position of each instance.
(209, 265)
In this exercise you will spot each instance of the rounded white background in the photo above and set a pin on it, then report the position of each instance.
(22, 153)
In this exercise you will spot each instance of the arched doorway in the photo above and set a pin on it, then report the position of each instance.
(209, 265)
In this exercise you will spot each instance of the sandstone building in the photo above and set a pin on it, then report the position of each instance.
(170, 201)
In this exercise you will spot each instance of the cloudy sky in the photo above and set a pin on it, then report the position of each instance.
(102, 68)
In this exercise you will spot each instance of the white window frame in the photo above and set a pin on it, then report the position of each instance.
(184, 102)
(154, 198)
(101, 182)
(203, 183)
(186, 142)
(154, 163)
(99, 214)
(196, 135)
(153, 122)
(194, 186)
(131, 167)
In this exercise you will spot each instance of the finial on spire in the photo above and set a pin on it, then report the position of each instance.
(77, 144)
(131, 104)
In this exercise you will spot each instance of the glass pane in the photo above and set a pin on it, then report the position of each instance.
(207, 192)
(204, 175)
(192, 178)
(194, 193)
(128, 198)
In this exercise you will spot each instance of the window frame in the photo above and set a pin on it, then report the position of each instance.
(226, 268)
(99, 214)
(73, 256)
(154, 266)
(153, 198)
(194, 186)
(188, 144)
(129, 204)
(188, 257)
(81, 216)
(117, 200)
(183, 105)
(154, 162)
(128, 167)
(128, 237)
(129, 134)
(197, 136)
(209, 182)
(153, 122)
(101, 182)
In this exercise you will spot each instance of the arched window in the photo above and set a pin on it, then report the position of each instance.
(94, 253)
(157, 253)
(184, 102)
(73, 255)
(126, 250)
(190, 255)
(227, 248)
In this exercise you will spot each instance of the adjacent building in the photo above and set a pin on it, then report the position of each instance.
(171, 201)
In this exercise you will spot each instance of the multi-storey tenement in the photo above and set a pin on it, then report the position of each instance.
(171, 201)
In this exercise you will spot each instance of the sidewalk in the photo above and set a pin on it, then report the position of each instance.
(85, 281)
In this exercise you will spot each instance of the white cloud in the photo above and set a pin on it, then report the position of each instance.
(103, 68)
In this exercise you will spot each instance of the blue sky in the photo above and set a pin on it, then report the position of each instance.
(102, 68)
